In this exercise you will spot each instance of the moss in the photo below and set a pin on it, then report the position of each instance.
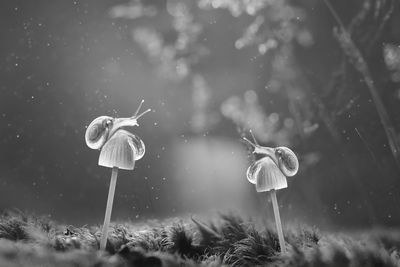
(34, 241)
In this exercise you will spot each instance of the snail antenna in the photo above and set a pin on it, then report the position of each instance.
(254, 138)
(138, 109)
(250, 142)
(141, 114)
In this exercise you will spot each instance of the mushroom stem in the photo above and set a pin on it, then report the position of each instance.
(278, 221)
(111, 191)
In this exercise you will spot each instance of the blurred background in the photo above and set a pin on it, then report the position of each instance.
(323, 80)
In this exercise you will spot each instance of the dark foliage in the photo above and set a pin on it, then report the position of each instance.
(33, 241)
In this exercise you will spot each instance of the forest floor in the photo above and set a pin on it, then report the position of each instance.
(230, 241)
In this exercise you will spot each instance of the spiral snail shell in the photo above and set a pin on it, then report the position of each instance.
(97, 132)
(287, 161)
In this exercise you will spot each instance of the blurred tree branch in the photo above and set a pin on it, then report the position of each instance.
(360, 64)
(286, 105)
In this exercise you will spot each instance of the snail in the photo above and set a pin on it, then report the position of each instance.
(119, 149)
(283, 157)
(269, 174)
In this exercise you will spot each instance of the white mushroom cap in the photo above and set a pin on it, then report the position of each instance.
(121, 151)
(266, 175)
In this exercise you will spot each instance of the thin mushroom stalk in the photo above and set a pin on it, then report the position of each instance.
(119, 149)
(269, 174)
(110, 200)
(278, 222)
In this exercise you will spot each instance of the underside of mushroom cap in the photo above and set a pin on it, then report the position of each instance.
(266, 175)
(121, 151)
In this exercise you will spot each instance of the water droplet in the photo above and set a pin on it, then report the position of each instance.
(138, 146)
(253, 172)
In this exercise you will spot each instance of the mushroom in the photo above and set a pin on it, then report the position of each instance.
(119, 149)
(269, 174)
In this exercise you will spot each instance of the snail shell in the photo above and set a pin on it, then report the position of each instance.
(287, 161)
(97, 133)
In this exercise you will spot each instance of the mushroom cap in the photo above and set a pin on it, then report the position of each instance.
(121, 151)
(266, 175)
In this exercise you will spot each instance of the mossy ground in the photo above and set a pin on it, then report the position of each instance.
(231, 241)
